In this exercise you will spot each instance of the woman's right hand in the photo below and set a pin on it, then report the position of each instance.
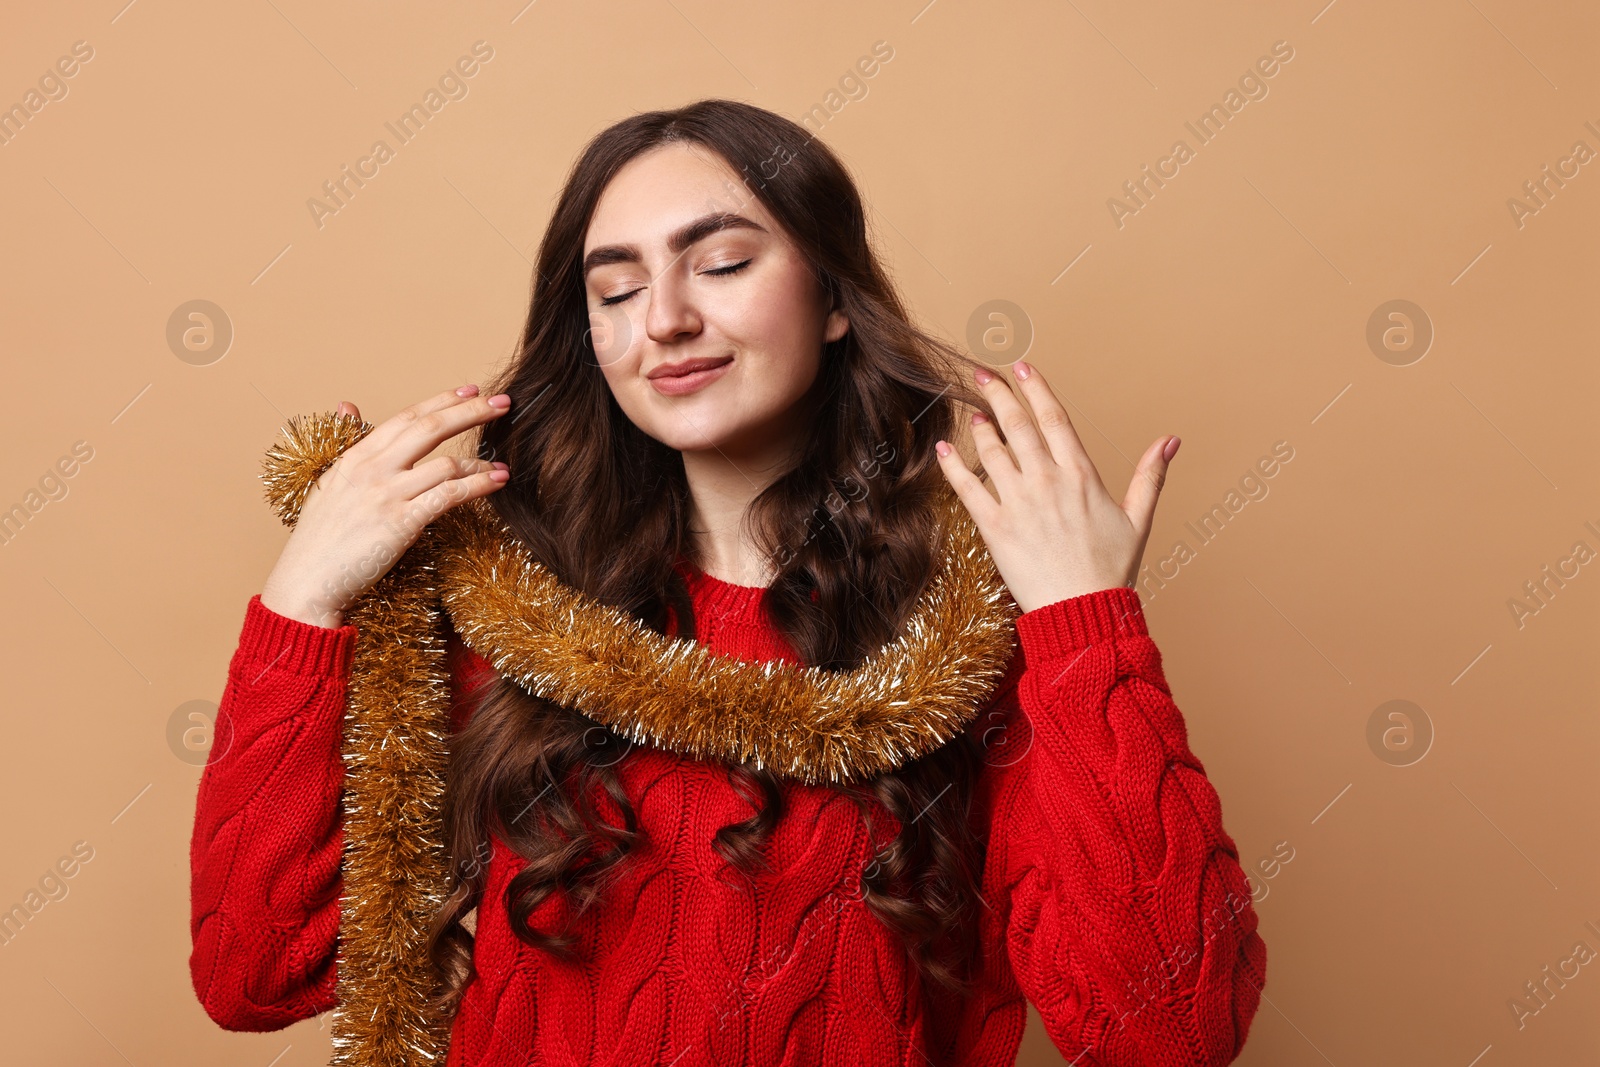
(372, 504)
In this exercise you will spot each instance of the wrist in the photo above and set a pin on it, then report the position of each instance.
(311, 609)
(1039, 596)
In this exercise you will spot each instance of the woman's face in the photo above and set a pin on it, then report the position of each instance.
(671, 289)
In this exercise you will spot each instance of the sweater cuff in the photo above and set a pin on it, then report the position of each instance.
(276, 642)
(1067, 626)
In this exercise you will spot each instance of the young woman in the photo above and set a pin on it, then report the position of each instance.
(722, 422)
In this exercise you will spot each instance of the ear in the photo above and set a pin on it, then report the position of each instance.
(836, 327)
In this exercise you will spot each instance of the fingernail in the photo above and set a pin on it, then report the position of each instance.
(1171, 449)
(942, 448)
(983, 376)
(499, 476)
(466, 390)
(979, 417)
(1022, 370)
(500, 400)
(501, 466)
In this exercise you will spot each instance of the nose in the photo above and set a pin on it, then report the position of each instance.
(671, 314)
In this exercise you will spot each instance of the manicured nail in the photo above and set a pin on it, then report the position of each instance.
(499, 476)
(1171, 449)
(942, 448)
(499, 400)
(499, 466)
(1022, 370)
(978, 418)
(983, 376)
(466, 390)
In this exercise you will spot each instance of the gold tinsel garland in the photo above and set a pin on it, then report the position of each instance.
(468, 571)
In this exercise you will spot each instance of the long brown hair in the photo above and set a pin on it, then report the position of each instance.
(604, 506)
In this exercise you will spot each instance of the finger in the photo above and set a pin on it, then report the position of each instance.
(993, 453)
(421, 434)
(1014, 421)
(454, 492)
(1054, 423)
(390, 429)
(424, 476)
(969, 488)
(347, 408)
(1145, 488)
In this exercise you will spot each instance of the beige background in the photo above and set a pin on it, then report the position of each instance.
(1232, 310)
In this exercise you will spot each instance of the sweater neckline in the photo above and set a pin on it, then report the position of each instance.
(715, 598)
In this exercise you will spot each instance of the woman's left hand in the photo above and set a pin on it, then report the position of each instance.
(1055, 533)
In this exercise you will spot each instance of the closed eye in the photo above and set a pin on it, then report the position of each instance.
(720, 271)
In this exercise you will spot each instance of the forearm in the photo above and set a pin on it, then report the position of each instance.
(265, 850)
(1143, 941)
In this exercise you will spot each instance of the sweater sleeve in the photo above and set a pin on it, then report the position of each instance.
(265, 883)
(1123, 911)
(265, 849)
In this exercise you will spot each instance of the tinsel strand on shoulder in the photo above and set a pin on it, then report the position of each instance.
(913, 695)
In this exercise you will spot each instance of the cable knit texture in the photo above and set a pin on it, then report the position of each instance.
(1113, 900)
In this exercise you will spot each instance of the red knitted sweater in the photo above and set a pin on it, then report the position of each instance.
(1114, 900)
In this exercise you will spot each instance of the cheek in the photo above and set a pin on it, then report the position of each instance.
(801, 369)
(784, 327)
(623, 386)
(610, 336)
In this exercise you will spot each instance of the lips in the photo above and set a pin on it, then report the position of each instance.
(688, 376)
(688, 366)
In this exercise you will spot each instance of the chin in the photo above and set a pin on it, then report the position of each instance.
(711, 423)
(700, 436)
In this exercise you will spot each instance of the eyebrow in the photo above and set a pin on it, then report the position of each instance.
(677, 240)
